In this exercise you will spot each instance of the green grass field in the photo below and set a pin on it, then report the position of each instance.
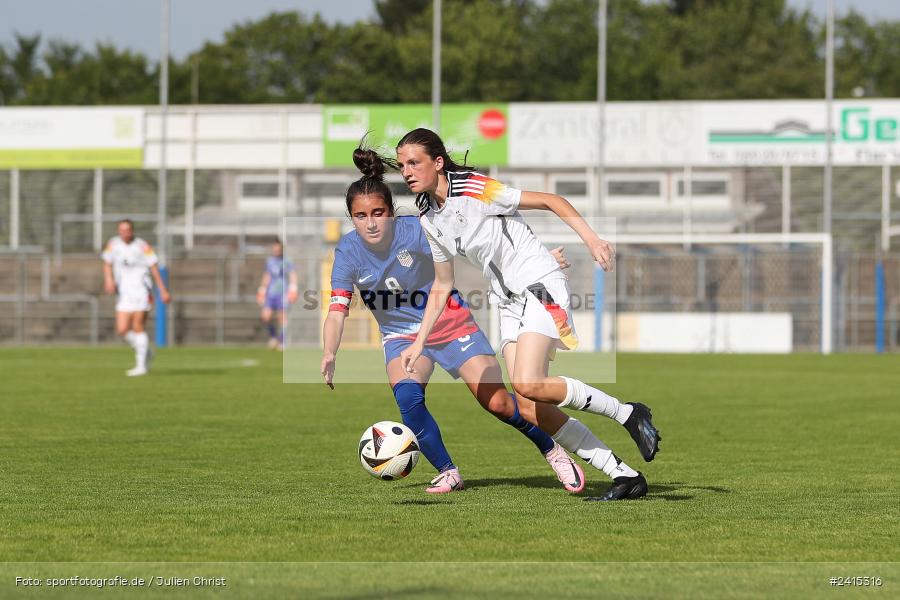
(775, 474)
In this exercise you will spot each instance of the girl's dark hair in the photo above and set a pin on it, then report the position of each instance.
(434, 147)
(372, 166)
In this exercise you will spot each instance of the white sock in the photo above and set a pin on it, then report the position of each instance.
(581, 396)
(141, 343)
(575, 437)
(129, 337)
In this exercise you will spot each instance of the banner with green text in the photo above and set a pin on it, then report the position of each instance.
(480, 129)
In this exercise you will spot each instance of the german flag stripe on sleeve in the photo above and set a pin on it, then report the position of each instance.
(479, 187)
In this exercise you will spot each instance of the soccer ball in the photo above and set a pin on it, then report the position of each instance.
(388, 450)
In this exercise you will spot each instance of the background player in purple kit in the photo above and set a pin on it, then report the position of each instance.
(270, 295)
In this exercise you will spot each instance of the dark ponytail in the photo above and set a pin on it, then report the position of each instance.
(372, 166)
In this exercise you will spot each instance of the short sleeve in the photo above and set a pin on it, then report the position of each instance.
(504, 200)
(342, 273)
(437, 251)
(150, 255)
(107, 254)
(496, 198)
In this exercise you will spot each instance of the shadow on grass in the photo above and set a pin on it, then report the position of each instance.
(188, 372)
(411, 592)
(419, 502)
(667, 491)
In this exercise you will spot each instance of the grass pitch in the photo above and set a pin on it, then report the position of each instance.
(775, 474)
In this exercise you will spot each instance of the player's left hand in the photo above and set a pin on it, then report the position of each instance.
(327, 369)
(560, 255)
(292, 296)
(165, 296)
(603, 253)
(409, 357)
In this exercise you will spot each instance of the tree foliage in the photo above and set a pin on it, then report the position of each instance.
(492, 50)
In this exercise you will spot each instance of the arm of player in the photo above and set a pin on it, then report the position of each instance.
(109, 284)
(163, 291)
(261, 290)
(293, 287)
(601, 250)
(437, 301)
(559, 253)
(332, 332)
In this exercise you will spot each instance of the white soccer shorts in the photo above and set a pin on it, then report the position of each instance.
(136, 301)
(544, 308)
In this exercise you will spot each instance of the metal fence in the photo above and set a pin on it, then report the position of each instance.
(43, 300)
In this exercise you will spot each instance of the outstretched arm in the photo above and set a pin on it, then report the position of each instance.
(601, 250)
(437, 301)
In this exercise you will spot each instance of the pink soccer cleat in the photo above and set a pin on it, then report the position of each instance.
(447, 481)
(567, 470)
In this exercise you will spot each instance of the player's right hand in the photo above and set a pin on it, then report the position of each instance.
(328, 369)
(261, 297)
(109, 286)
(410, 355)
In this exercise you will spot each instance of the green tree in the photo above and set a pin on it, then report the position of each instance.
(284, 57)
(104, 76)
(731, 49)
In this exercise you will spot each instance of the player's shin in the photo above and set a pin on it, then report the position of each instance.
(141, 344)
(537, 436)
(575, 437)
(410, 396)
(581, 396)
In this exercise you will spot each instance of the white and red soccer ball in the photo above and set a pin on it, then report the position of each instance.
(388, 450)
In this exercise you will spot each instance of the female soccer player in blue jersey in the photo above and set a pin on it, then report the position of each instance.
(389, 261)
(271, 294)
(465, 213)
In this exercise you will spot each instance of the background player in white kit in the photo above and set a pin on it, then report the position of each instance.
(128, 263)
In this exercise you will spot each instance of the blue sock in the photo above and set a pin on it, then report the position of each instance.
(540, 438)
(410, 397)
(271, 327)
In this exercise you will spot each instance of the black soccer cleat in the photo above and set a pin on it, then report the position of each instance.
(644, 434)
(624, 488)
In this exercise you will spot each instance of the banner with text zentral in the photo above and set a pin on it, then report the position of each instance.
(727, 133)
(480, 129)
(71, 138)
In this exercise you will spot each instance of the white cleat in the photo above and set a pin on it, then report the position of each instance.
(136, 372)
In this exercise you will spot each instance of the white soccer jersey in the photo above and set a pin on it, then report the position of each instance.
(481, 222)
(131, 265)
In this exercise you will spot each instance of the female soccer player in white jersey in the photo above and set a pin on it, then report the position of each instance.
(388, 259)
(128, 263)
(465, 213)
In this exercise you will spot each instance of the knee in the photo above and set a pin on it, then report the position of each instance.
(500, 404)
(533, 390)
(409, 394)
(121, 330)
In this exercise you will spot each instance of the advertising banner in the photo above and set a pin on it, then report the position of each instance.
(71, 138)
(480, 129)
(727, 133)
